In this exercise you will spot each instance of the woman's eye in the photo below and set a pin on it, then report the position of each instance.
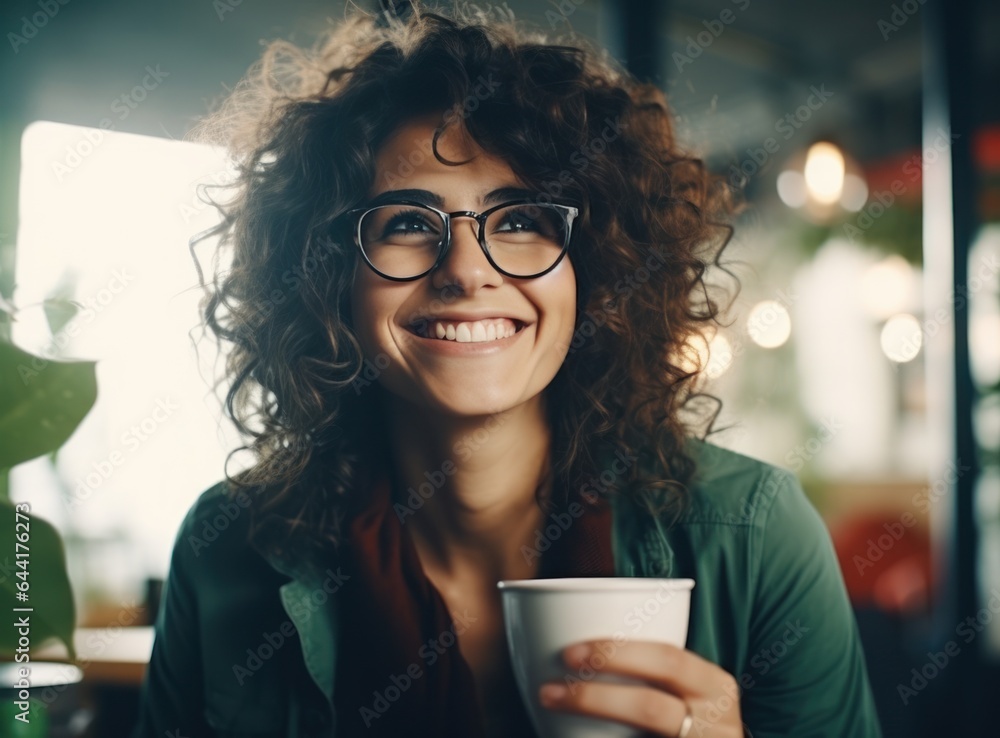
(518, 223)
(407, 224)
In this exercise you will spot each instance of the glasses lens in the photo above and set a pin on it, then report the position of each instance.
(401, 240)
(526, 239)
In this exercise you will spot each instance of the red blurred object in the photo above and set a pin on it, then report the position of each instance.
(906, 168)
(886, 563)
(986, 148)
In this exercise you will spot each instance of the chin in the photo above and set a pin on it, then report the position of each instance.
(477, 398)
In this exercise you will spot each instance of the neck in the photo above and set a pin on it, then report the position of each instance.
(468, 488)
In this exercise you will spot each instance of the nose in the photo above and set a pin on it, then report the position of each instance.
(465, 264)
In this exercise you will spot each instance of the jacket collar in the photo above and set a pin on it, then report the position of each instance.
(311, 608)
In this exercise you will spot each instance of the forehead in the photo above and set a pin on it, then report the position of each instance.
(406, 158)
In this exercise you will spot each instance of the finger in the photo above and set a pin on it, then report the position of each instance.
(641, 707)
(675, 669)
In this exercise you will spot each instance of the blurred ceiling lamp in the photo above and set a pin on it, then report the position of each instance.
(824, 173)
(901, 338)
(890, 286)
(769, 324)
(823, 182)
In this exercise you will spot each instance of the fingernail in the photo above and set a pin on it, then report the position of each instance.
(552, 693)
(578, 652)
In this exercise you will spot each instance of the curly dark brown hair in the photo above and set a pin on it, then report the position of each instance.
(303, 128)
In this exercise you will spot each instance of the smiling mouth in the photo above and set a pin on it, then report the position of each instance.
(477, 331)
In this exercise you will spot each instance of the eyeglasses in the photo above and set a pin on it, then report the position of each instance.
(406, 240)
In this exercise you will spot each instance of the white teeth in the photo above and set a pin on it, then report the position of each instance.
(479, 331)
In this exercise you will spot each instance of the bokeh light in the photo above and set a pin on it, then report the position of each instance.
(824, 172)
(888, 287)
(792, 188)
(769, 324)
(855, 193)
(901, 338)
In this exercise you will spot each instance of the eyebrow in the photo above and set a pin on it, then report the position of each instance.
(426, 197)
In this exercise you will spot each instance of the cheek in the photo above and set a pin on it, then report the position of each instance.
(376, 307)
(558, 299)
(566, 292)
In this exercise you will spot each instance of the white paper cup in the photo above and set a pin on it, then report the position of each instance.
(544, 616)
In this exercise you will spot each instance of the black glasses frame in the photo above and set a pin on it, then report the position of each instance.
(444, 245)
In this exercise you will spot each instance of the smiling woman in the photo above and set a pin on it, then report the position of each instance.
(500, 256)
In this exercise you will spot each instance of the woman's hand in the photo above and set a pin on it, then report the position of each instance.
(679, 683)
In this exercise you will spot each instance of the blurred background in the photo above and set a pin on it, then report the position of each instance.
(863, 351)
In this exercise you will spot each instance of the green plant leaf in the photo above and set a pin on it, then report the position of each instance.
(41, 402)
(53, 613)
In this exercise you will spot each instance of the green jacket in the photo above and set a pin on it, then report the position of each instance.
(246, 646)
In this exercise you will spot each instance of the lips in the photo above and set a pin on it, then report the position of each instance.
(483, 330)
